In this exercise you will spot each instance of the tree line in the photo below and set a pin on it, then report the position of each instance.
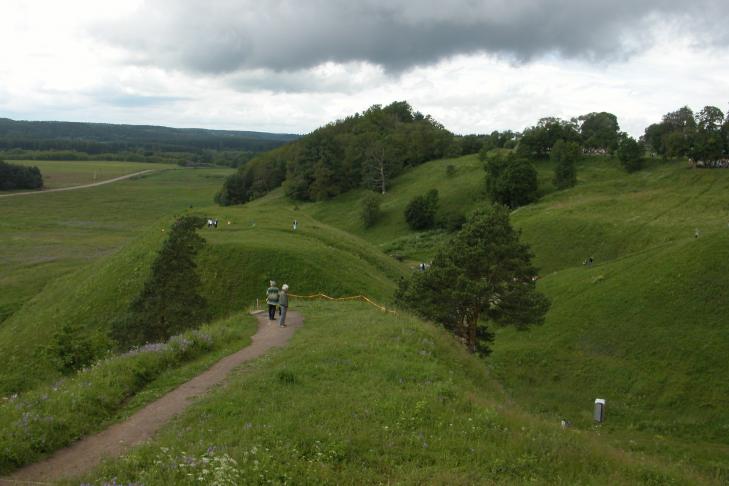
(13, 176)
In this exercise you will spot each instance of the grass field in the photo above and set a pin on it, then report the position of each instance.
(645, 327)
(361, 397)
(58, 174)
(45, 236)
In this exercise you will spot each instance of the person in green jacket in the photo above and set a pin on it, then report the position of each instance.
(283, 305)
(272, 296)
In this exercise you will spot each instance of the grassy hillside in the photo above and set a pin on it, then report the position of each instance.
(45, 236)
(361, 397)
(252, 245)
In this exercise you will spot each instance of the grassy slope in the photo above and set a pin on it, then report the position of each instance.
(45, 236)
(235, 269)
(363, 397)
(644, 328)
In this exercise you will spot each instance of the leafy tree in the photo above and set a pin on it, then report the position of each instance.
(170, 301)
(565, 155)
(537, 141)
(371, 209)
(709, 143)
(511, 180)
(13, 176)
(630, 154)
(599, 131)
(420, 211)
(483, 273)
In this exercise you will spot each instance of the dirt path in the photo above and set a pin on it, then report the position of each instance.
(85, 186)
(87, 453)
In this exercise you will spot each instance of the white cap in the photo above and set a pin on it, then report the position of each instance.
(285, 287)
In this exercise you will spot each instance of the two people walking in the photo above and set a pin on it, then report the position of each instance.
(280, 298)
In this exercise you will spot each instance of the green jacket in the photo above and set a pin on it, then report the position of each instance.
(272, 295)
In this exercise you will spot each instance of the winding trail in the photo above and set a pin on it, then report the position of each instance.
(82, 456)
(85, 186)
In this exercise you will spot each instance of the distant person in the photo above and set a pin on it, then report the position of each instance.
(215, 223)
(589, 262)
(696, 233)
(210, 223)
(296, 224)
(283, 305)
(272, 296)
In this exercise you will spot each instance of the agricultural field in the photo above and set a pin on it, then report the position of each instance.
(59, 174)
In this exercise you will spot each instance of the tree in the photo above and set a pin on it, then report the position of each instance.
(511, 180)
(630, 154)
(371, 209)
(483, 273)
(420, 211)
(170, 301)
(599, 131)
(565, 155)
(13, 176)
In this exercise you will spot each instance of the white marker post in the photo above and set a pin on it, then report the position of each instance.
(599, 412)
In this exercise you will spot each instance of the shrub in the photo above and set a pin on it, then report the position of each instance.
(450, 170)
(14, 176)
(371, 209)
(420, 211)
(71, 349)
(511, 180)
(565, 155)
(630, 154)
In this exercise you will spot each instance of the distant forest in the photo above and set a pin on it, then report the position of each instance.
(53, 140)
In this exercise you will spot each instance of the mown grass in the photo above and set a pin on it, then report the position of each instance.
(362, 397)
(39, 422)
(58, 174)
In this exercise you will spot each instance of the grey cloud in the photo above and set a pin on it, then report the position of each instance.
(226, 36)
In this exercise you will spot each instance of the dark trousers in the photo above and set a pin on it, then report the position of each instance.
(271, 311)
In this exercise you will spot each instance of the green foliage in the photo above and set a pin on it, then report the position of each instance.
(363, 150)
(483, 272)
(630, 154)
(565, 155)
(537, 141)
(170, 301)
(420, 211)
(371, 209)
(72, 349)
(511, 180)
(14, 176)
(450, 170)
(599, 132)
(43, 420)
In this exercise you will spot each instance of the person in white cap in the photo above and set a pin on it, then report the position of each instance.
(283, 304)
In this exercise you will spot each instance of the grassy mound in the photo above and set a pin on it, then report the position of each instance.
(361, 397)
(235, 267)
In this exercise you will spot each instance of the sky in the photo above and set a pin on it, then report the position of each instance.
(291, 66)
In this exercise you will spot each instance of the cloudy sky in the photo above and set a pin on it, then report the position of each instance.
(293, 65)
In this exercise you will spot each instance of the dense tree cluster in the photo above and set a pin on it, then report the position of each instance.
(363, 150)
(565, 155)
(702, 136)
(45, 140)
(420, 211)
(170, 301)
(483, 274)
(511, 179)
(13, 176)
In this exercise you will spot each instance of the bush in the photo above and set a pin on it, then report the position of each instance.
(420, 211)
(371, 209)
(510, 180)
(19, 177)
(565, 155)
(71, 349)
(630, 154)
(450, 170)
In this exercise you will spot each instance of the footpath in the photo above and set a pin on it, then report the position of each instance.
(82, 456)
(73, 188)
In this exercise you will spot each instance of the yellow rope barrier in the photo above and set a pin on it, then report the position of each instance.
(362, 298)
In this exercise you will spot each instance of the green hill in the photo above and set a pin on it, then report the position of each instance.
(361, 397)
